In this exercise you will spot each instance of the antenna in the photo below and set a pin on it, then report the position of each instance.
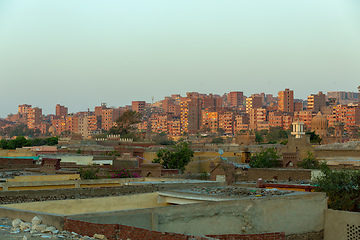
(152, 100)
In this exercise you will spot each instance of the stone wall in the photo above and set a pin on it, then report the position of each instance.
(278, 173)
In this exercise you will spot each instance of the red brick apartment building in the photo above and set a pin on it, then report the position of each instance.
(286, 100)
(34, 117)
(138, 106)
(61, 111)
(235, 99)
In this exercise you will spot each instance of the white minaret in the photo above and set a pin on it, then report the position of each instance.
(298, 129)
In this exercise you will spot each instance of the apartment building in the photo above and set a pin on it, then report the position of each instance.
(210, 120)
(226, 122)
(190, 113)
(235, 99)
(304, 116)
(34, 117)
(138, 106)
(61, 111)
(316, 102)
(253, 102)
(286, 100)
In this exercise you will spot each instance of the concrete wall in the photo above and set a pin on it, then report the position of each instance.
(78, 159)
(295, 214)
(79, 206)
(341, 225)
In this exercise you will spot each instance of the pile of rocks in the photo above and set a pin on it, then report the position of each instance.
(238, 191)
(36, 230)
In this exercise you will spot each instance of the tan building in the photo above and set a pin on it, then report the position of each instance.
(241, 123)
(226, 122)
(258, 118)
(253, 102)
(316, 102)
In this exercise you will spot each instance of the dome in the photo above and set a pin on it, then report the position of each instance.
(52, 129)
(319, 122)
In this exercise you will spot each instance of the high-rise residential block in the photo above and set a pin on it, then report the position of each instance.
(22, 109)
(316, 102)
(61, 111)
(34, 117)
(138, 106)
(286, 100)
(253, 102)
(235, 99)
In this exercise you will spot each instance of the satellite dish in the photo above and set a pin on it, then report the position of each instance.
(221, 152)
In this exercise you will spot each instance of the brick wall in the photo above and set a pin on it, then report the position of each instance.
(279, 174)
(118, 231)
(262, 236)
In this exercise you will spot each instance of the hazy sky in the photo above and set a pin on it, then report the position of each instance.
(80, 53)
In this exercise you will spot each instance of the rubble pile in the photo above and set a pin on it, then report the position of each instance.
(238, 191)
(37, 230)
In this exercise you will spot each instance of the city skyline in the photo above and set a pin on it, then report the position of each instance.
(91, 108)
(80, 54)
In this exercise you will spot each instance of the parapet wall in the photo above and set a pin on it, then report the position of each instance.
(278, 173)
(7, 197)
(118, 231)
(242, 215)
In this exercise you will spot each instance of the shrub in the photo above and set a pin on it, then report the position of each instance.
(342, 188)
(123, 173)
(89, 172)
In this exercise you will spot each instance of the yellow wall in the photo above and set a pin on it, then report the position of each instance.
(19, 152)
(80, 206)
(38, 178)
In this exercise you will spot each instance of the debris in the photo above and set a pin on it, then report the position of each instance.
(99, 236)
(16, 223)
(24, 226)
(36, 221)
(48, 230)
(40, 228)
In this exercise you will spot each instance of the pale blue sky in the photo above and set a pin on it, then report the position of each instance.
(80, 53)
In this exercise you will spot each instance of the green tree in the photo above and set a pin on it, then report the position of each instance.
(342, 188)
(314, 138)
(3, 144)
(259, 138)
(176, 157)
(217, 140)
(309, 162)
(162, 139)
(267, 158)
(276, 134)
(220, 131)
(125, 123)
